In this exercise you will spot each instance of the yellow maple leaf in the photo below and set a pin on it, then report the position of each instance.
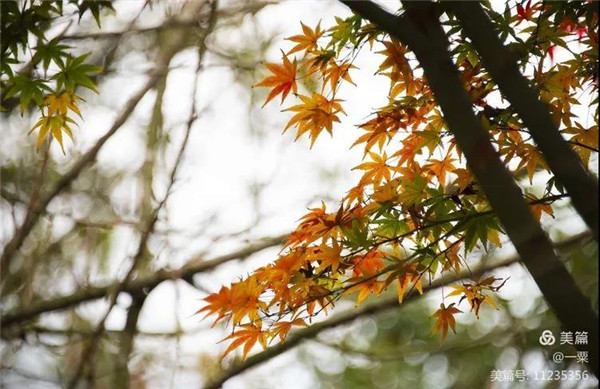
(375, 171)
(54, 125)
(61, 103)
(313, 115)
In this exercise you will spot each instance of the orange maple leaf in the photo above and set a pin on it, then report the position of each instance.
(334, 72)
(328, 256)
(439, 168)
(282, 328)
(365, 288)
(246, 335)
(282, 81)
(218, 303)
(306, 41)
(445, 318)
(381, 129)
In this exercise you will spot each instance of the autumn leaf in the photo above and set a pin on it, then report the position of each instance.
(282, 81)
(445, 318)
(474, 293)
(61, 103)
(334, 72)
(246, 335)
(282, 328)
(328, 256)
(313, 115)
(400, 72)
(307, 41)
(368, 264)
(538, 208)
(375, 171)
(441, 167)
(584, 141)
(406, 277)
(381, 129)
(531, 158)
(217, 303)
(365, 288)
(54, 125)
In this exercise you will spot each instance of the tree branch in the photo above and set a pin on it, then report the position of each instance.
(10, 250)
(419, 28)
(295, 338)
(194, 266)
(563, 161)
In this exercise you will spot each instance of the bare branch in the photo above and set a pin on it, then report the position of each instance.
(194, 266)
(179, 41)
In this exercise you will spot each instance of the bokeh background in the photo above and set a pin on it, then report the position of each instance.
(239, 184)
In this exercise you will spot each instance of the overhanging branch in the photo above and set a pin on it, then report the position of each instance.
(420, 29)
(561, 159)
(295, 338)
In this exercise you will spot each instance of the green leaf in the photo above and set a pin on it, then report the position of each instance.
(29, 89)
(356, 236)
(50, 52)
(76, 73)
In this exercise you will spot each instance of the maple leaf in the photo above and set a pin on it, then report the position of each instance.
(381, 129)
(334, 72)
(217, 303)
(531, 158)
(440, 167)
(412, 192)
(583, 141)
(412, 146)
(368, 264)
(400, 74)
(328, 256)
(538, 208)
(307, 41)
(282, 328)
(375, 171)
(408, 275)
(283, 269)
(282, 81)
(244, 300)
(313, 115)
(452, 261)
(355, 195)
(365, 288)
(318, 223)
(445, 318)
(464, 179)
(54, 125)
(474, 292)
(62, 103)
(318, 294)
(246, 335)
(525, 13)
(387, 192)
(395, 54)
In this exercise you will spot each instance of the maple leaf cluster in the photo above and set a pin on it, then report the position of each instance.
(417, 211)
